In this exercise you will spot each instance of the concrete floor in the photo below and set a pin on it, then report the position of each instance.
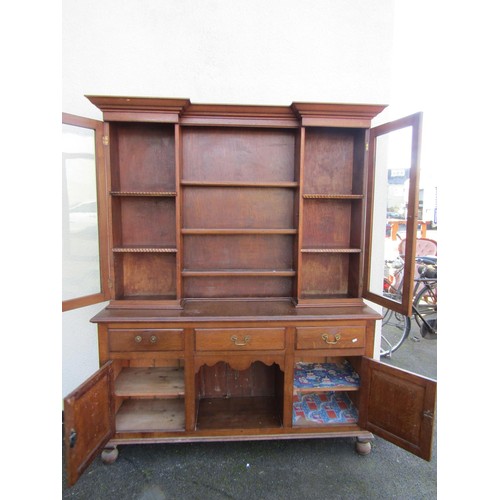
(290, 469)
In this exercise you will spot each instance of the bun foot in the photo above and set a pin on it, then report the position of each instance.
(363, 446)
(109, 455)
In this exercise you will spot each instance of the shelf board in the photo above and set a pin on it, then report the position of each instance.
(151, 415)
(145, 302)
(330, 250)
(284, 184)
(320, 390)
(239, 231)
(332, 196)
(147, 249)
(163, 382)
(159, 194)
(238, 413)
(238, 272)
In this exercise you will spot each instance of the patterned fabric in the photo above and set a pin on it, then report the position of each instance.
(324, 375)
(324, 408)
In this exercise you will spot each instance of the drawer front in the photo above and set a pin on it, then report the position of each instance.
(146, 340)
(331, 337)
(239, 339)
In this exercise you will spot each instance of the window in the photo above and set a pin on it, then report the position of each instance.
(85, 264)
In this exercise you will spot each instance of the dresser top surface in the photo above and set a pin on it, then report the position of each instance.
(229, 311)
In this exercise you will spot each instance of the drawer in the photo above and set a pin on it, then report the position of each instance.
(146, 340)
(239, 339)
(331, 337)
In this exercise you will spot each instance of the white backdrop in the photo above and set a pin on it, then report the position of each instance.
(227, 51)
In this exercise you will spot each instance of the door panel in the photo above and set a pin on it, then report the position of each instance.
(393, 191)
(88, 421)
(398, 406)
(84, 212)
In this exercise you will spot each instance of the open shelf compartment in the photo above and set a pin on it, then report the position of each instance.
(149, 382)
(150, 399)
(332, 376)
(150, 415)
(325, 408)
(322, 393)
(240, 399)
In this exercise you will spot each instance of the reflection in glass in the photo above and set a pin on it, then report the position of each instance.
(80, 247)
(392, 174)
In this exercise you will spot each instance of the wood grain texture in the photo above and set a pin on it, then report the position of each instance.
(150, 382)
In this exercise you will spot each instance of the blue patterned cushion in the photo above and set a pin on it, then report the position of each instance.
(324, 375)
(324, 408)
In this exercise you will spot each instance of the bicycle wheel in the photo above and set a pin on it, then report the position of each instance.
(425, 304)
(395, 329)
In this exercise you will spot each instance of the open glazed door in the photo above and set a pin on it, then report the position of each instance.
(398, 406)
(88, 421)
(393, 190)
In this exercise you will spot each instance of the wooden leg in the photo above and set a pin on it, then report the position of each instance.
(109, 455)
(363, 446)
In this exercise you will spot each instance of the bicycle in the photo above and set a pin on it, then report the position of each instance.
(396, 327)
(425, 301)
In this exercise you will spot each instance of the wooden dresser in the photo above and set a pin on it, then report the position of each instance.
(239, 243)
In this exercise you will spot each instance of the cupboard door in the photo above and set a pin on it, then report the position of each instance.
(393, 191)
(398, 406)
(88, 421)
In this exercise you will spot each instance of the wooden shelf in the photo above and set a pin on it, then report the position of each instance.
(238, 413)
(288, 184)
(151, 415)
(238, 272)
(158, 194)
(332, 196)
(330, 250)
(149, 301)
(239, 231)
(150, 382)
(146, 249)
(320, 390)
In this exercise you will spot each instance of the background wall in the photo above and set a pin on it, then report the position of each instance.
(216, 51)
(235, 51)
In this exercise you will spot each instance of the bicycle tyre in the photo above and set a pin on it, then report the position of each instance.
(395, 330)
(428, 309)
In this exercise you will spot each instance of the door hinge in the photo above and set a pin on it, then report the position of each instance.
(110, 283)
(72, 438)
(105, 140)
(366, 146)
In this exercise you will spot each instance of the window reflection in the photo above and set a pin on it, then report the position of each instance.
(392, 174)
(80, 242)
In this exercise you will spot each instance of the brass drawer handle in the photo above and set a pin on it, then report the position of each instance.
(153, 339)
(246, 339)
(138, 338)
(334, 341)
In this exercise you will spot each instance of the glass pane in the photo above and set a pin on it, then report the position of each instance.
(81, 273)
(393, 160)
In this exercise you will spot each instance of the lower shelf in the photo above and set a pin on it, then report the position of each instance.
(238, 413)
(325, 408)
(151, 415)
